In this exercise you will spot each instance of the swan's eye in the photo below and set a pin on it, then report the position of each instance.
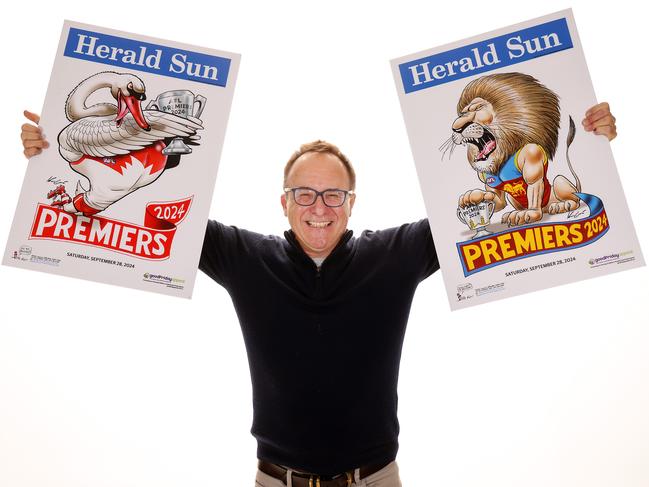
(132, 92)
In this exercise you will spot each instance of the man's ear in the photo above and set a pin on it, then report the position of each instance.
(352, 199)
(283, 200)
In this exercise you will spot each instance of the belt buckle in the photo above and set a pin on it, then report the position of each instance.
(350, 480)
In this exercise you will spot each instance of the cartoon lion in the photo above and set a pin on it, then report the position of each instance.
(509, 124)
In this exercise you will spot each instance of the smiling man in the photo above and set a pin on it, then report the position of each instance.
(323, 315)
(318, 197)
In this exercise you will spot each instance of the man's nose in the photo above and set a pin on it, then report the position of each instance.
(318, 206)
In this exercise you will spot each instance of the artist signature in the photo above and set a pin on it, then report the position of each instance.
(55, 180)
(575, 214)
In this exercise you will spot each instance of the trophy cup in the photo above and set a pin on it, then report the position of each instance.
(181, 103)
(477, 217)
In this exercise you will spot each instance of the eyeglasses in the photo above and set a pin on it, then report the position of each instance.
(333, 198)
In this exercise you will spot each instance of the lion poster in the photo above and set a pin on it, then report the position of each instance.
(135, 126)
(519, 196)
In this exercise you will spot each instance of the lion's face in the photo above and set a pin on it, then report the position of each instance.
(499, 114)
(473, 130)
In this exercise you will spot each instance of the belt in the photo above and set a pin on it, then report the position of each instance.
(301, 479)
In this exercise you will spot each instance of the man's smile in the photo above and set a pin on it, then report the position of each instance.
(316, 224)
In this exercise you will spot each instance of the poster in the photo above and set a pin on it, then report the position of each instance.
(136, 128)
(519, 196)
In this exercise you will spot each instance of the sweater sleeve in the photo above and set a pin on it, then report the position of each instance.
(419, 245)
(223, 247)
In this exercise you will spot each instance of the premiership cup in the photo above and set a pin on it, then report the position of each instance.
(477, 217)
(179, 102)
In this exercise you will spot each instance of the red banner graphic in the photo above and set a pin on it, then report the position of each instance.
(151, 241)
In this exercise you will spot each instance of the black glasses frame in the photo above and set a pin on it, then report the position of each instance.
(321, 194)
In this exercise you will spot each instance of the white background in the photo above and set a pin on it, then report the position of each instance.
(104, 386)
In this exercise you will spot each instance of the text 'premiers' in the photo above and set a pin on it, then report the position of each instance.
(480, 254)
(51, 223)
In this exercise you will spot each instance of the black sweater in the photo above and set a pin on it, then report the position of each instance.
(323, 345)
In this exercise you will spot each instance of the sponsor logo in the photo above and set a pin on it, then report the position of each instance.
(613, 258)
(172, 282)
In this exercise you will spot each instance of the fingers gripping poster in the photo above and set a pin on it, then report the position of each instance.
(135, 127)
(519, 196)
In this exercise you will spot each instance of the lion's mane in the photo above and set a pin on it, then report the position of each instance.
(526, 112)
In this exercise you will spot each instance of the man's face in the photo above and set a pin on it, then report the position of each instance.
(318, 228)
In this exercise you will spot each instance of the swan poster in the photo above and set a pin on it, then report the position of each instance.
(136, 127)
(519, 196)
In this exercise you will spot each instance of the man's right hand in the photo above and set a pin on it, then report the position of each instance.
(33, 140)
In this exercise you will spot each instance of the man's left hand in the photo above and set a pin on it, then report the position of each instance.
(600, 121)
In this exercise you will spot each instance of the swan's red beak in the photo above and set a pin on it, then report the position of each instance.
(130, 103)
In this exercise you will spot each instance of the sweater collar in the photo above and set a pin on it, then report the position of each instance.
(339, 250)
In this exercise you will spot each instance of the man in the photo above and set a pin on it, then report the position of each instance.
(323, 315)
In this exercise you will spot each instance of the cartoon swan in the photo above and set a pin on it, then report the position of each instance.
(118, 148)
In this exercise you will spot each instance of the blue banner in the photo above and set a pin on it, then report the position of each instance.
(148, 57)
(487, 55)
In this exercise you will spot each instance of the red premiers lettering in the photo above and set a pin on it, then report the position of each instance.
(51, 223)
